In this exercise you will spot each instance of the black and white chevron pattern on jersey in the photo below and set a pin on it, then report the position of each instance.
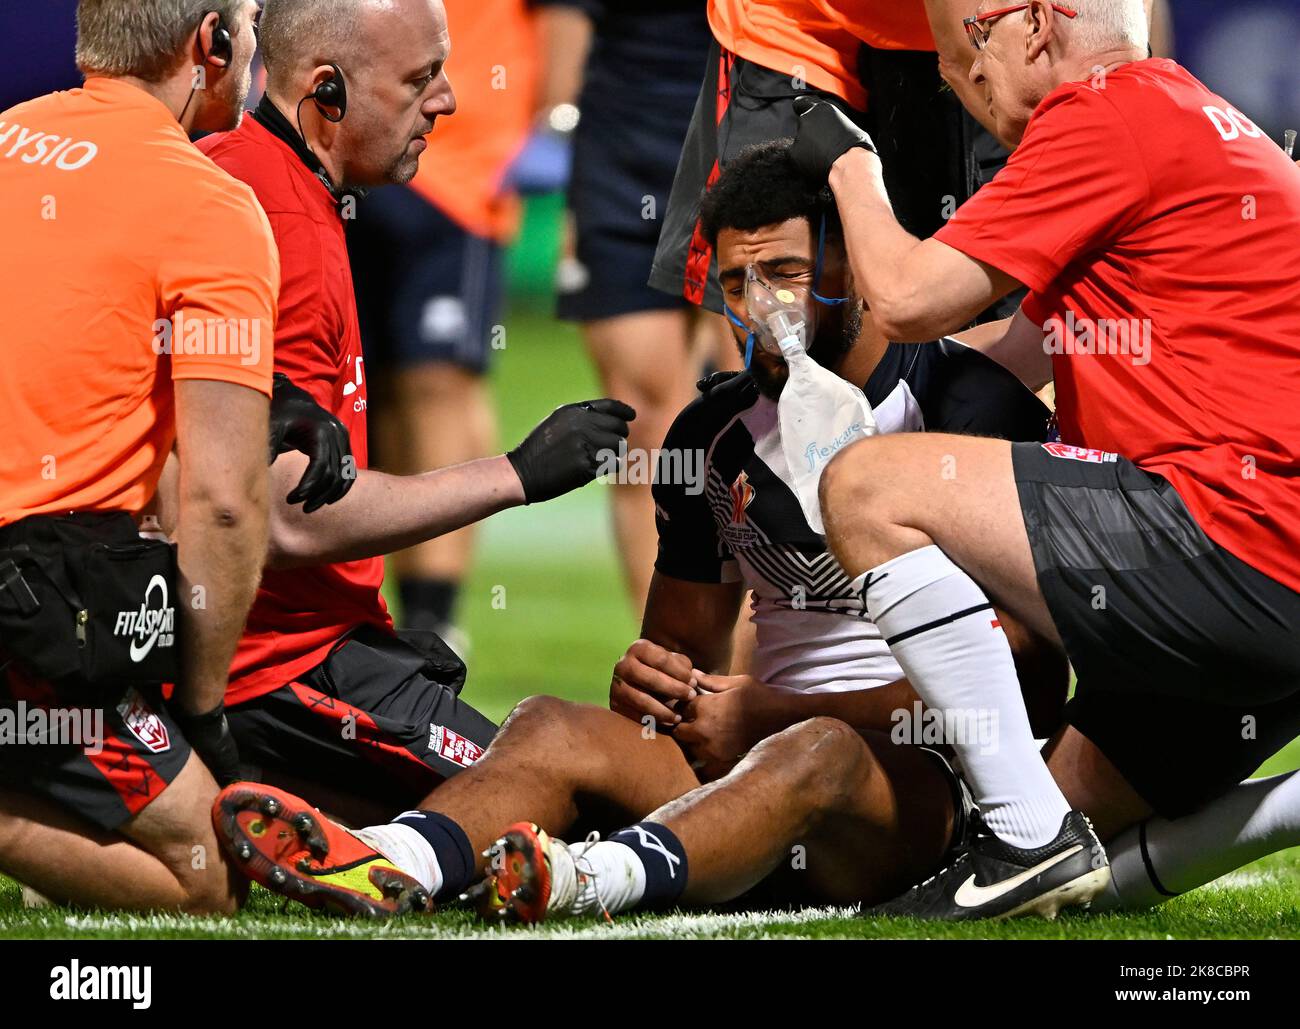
(803, 579)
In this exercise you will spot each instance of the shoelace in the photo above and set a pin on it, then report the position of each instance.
(932, 883)
(588, 888)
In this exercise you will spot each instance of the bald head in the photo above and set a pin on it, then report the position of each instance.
(391, 54)
(297, 35)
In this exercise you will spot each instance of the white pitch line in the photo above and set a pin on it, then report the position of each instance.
(678, 926)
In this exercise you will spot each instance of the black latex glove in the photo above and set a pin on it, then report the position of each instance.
(209, 735)
(565, 451)
(824, 134)
(713, 380)
(299, 423)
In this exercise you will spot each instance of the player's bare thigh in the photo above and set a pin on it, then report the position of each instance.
(815, 814)
(891, 494)
(895, 830)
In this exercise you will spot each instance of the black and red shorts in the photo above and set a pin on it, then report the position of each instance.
(1187, 657)
(374, 720)
(104, 759)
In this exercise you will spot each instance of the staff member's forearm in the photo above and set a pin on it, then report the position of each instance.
(384, 513)
(221, 530)
(916, 290)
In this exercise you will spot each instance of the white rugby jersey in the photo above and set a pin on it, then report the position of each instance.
(813, 631)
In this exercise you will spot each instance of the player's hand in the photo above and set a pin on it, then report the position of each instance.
(824, 134)
(570, 448)
(299, 423)
(209, 734)
(720, 725)
(651, 680)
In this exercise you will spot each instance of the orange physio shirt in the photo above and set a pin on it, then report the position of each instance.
(884, 24)
(819, 39)
(793, 37)
(114, 225)
(493, 71)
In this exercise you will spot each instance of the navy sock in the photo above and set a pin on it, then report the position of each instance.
(450, 846)
(428, 603)
(664, 859)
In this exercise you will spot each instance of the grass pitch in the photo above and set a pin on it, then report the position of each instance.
(546, 614)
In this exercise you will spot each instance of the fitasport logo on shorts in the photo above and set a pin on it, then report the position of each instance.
(1089, 454)
(152, 624)
(453, 746)
(144, 723)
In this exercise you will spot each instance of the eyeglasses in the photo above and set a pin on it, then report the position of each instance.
(979, 26)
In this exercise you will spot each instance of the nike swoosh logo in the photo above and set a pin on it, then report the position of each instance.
(969, 895)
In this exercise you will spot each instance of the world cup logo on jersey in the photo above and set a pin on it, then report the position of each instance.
(742, 494)
(736, 532)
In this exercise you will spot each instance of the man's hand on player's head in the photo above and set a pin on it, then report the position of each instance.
(651, 680)
(824, 135)
(299, 423)
(570, 448)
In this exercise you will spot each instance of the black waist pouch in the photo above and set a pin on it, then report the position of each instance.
(83, 597)
(368, 663)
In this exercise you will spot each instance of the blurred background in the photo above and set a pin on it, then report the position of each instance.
(543, 607)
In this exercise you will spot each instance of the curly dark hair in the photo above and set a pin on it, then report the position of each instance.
(763, 186)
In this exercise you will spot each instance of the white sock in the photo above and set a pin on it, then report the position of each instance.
(406, 849)
(1254, 818)
(942, 630)
(605, 876)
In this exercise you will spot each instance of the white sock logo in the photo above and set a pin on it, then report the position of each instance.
(652, 842)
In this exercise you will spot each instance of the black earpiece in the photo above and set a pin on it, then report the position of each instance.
(223, 47)
(332, 93)
(220, 56)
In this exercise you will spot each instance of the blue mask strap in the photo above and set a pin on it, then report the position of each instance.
(749, 334)
(817, 270)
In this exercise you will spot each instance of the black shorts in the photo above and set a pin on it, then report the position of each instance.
(428, 291)
(103, 760)
(625, 152)
(1188, 659)
(926, 143)
(369, 721)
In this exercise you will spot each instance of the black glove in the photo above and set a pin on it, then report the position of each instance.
(568, 449)
(299, 423)
(824, 134)
(713, 380)
(209, 735)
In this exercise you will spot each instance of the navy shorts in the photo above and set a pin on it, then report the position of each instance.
(625, 153)
(428, 291)
(1187, 657)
